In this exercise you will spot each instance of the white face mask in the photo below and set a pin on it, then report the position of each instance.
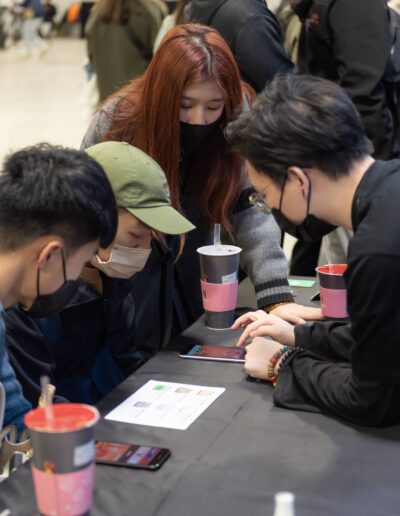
(124, 262)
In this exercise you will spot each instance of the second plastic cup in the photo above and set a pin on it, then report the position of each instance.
(333, 290)
(62, 464)
(219, 265)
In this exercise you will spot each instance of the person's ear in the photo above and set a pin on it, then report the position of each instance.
(297, 176)
(50, 254)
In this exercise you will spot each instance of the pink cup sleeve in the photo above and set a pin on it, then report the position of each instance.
(219, 297)
(334, 302)
(67, 494)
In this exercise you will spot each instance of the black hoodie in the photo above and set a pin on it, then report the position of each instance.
(251, 31)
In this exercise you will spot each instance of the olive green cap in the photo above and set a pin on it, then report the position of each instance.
(140, 186)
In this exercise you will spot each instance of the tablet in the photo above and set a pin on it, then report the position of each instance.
(217, 353)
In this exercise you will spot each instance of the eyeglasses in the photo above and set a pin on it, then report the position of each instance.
(257, 200)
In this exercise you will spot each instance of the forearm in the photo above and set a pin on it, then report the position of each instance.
(308, 383)
(262, 257)
(329, 340)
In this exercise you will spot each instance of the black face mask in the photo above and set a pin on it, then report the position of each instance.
(192, 135)
(310, 229)
(50, 304)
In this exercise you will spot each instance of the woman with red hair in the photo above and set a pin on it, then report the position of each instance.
(176, 113)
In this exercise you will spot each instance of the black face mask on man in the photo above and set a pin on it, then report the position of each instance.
(192, 135)
(310, 229)
(50, 304)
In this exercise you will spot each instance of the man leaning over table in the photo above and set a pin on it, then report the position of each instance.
(309, 159)
(56, 208)
(87, 349)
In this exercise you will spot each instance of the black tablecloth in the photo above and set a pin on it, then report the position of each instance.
(239, 452)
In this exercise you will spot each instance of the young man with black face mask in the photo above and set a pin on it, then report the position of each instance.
(56, 208)
(88, 348)
(308, 155)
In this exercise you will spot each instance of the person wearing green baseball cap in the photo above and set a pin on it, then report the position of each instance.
(87, 348)
(142, 194)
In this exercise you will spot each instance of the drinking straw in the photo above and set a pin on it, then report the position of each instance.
(326, 247)
(217, 235)
(44, 384)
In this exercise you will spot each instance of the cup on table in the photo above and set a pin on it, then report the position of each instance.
(62, 463)
(332, 290)
(219, 265)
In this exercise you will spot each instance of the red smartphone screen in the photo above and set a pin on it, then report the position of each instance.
(129, 454)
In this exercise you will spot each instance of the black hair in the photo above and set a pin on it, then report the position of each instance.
(51, 190)
(300, 120)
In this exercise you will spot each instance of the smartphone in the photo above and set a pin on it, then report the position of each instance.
(130, 455)
(218, 353)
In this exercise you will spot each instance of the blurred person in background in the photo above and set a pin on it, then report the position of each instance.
(394, 4)
(352, 45)
(32, 17)
(177, 17)
(84, 14)
(120, 35)
(48, 24)
(252, 33)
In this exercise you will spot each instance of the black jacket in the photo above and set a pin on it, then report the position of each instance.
(350, 43)
(86, 350)
(353, 370)
(251, 31)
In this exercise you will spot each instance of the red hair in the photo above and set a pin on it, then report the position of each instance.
(147, 115)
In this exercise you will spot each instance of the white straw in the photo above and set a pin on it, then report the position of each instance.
(326, 247)
(44, 384)
(217, 235)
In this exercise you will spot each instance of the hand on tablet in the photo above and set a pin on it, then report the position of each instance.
(260, 324)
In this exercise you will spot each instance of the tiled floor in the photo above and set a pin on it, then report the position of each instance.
(42, 99)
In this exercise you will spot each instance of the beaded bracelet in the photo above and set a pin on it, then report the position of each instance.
(285, 357)
(271, 375)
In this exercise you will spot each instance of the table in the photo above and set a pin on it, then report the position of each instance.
(241, 451)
